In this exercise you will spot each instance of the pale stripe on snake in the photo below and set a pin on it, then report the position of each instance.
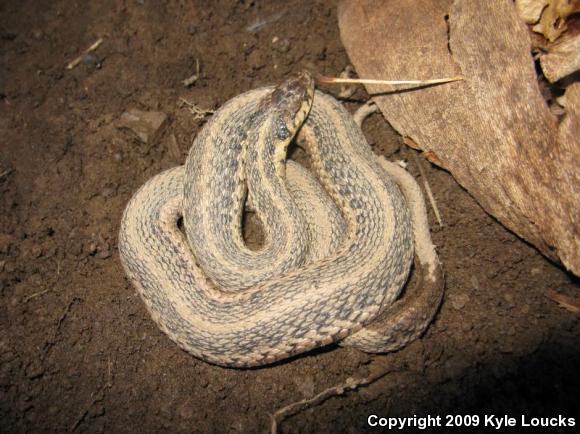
(318, 278)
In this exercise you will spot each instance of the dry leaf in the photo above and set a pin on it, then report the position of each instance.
(553, 21)
(562, 59)
(530, 10)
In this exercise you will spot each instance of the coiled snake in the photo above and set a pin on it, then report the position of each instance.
(337, 251)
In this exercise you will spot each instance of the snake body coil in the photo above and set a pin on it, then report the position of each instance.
(317, 279)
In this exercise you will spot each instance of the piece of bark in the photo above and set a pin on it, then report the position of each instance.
(553, 23)
(146, 126)
(569, 128)
(493, 131)
(530, 10)
(562, 59)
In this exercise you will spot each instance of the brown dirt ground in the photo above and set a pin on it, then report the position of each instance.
(78, 351)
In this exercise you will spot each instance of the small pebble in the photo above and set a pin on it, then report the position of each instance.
(98, 248)
(459, 301)
(255, 60)
(283, 46)
(147, 126)
(187, 411)
(509, 299)
(91, 60)
(34, 370)
(104, 252)
(96, 410)
(5, 242)
(305, 385)
(36, 251)
(108, 192)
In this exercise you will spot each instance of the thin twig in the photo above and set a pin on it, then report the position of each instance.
(36, 294)
(79, 419)
(64, 314)
(109, 373)
(6, 173)
(52, 340)
(96, 397)
(335, 80)
(283, 413)
(258, 24)
(428, 189)
(189, 81)
(79, 59)
(569, 303)
(194, 109)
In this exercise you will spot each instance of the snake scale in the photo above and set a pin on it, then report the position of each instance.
(337, 252)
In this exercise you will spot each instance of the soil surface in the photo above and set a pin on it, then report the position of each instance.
(78, 350)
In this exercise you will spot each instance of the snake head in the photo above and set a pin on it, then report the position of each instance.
(290, 103)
